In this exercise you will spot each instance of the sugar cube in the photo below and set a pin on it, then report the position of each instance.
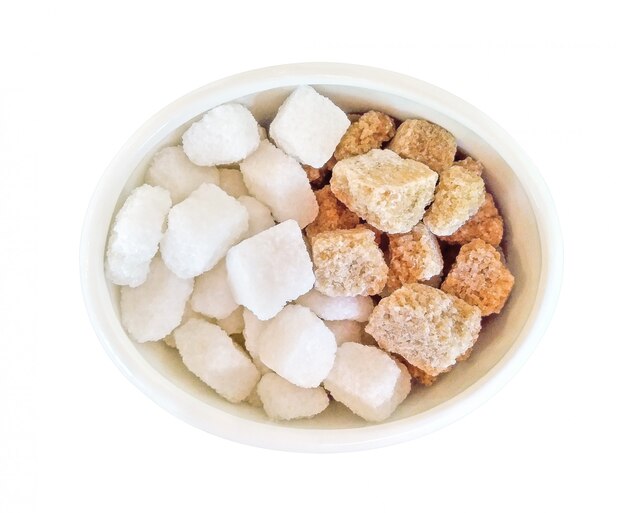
(425, 142)
(232, 324)
(188, 313)
(135, 235)
(254, 400)
(480, 277)
(283, 400)
(471, 165)
(153, 309)
(201, 229)
(333, 214)
(253, 326)
(348, 263)
(486, 224)
(308, 126)
(172, 170)
(270, 269)
(211, 293)
(389, 192)
(298, 346)
(458, 196)
(231, 182)
(368, 381)
(259, 216)
(413, 256)
(210, 354)
(277, 180)
(427, 327)
(224, 135)
(346, 331)
(355, 308)
(366, 133)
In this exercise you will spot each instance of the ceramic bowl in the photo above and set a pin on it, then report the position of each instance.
(532, 244)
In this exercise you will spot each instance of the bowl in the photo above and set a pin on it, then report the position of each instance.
(533, 246)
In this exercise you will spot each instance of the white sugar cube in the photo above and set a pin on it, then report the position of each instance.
(368, 381)
(254, 400)
(154, 308)
(201, 229)
(283, 400)
(233, 323)
(277, 180)
(298, 346)
(187, 314)
(308, 126)
(259, 216)
(210, 354)
(252, 328)
(231, 182)
(172, 170)
(270, 269)
(224, 135)
(346, 331)
(211, 293)
(353, 308)
(135, 235)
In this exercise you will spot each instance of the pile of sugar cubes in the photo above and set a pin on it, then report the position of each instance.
(307, 263)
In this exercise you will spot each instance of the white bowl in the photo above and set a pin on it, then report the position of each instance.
(533, 246)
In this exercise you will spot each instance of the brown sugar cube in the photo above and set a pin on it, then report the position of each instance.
(471, 165)
(486, 224)
(421, 377)
(378, 235)
(425, 142)
(417, 374)
(427, 327)
(480, 277)
(458, 196)
(389, 192)
(317, 175)
(368, 132)
(348, 263)
(330, 164)
(413, 257)
(333, 214)
(314, 174)
(425, 379)
(434, 282)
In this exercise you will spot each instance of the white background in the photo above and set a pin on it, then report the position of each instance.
(78, 78)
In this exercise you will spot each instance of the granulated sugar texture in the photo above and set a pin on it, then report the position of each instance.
(268, 270)
(153, 309)
(314, 265)
(172, 170)
(201, 229)
(135, 235)
(224, 135)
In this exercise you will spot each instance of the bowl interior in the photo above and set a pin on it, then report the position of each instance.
(499, 335)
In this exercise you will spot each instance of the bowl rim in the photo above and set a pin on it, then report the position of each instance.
(279, 436)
